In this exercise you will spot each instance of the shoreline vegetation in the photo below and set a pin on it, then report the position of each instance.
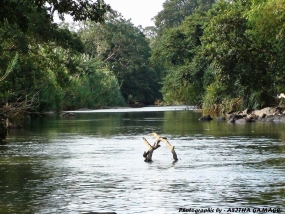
(267, 114)
(219, 55)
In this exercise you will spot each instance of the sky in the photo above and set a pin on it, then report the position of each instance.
(139, 11)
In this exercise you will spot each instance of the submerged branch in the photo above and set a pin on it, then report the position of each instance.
(148, 155)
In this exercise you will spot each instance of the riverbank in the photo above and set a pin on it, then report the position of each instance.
(268, 114)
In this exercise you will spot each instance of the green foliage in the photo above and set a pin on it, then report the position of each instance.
(179, 53)
(177, 91)
(10, 67)
(51, 60)
(95, 87)
(51, 93)
(18, 11)
(238, 56)
(210, 97)
(216, 94)
(175, 11)
(234, 51)
(125, 49)
(77, 81)
(232, 54)
(233, 104)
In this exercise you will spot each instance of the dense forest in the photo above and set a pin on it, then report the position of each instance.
(200, 52)
(221, 52)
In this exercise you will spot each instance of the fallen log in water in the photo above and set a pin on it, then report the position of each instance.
(148, 155)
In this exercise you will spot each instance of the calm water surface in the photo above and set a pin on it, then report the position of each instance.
(94, 162)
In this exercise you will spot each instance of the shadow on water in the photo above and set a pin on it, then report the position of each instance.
(94, 162)
(21, 184)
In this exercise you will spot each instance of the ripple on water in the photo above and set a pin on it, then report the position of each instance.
(79, 173)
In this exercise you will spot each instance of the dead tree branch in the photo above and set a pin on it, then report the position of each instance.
(15, 111)
(20, 106)
(148, 155)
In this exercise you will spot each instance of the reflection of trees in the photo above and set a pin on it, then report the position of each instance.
(186, 123)
(83, 124)
(282, 136)
(17, 182)
(99, 124)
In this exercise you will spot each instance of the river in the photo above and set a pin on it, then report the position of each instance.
(93, 162)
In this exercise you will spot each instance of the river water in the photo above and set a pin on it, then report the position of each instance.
(94, 162)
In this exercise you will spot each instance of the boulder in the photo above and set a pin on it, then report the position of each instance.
(266, 111)
(232, 120)
(236, 116)
(268, 114)
(206, 118)
(244, 120)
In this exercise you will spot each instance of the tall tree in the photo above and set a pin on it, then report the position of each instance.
(27, 27)
(18, 11)
(126, 50)
(175, 11)
(179, 52)
(241, 56)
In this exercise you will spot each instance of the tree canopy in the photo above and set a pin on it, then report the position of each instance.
(105, 63)
(125, 49)
(201, 52)
(220, 54)
(17, 11)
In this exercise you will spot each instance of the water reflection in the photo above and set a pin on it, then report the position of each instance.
(94, 163)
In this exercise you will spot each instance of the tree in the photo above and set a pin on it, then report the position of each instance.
(267, 30)
(179, 52)
(126, 51)
(239, 57)
(176, 49)
(175, 11)
(51, 66)
(17, 12)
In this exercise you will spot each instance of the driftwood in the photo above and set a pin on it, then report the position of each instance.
(148, 155)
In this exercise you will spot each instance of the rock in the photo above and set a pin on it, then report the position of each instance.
(240, 121)
(232, 120)
(231, 112)
(267, 111)
(247, 111)
(206, 118)
(236, 116)
(249, 119)
(269, 118)
(269, 114)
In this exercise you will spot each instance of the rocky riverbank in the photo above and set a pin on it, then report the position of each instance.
(268, 114)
